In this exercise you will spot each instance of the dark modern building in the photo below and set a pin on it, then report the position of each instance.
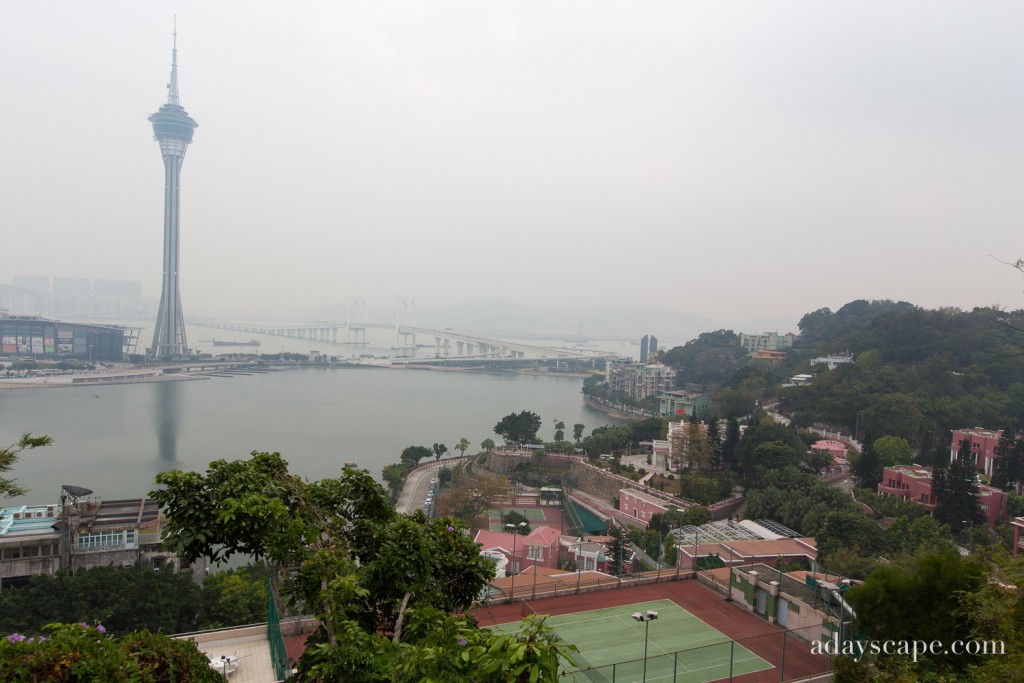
(32, 336)
(648, 348)
(173, 129)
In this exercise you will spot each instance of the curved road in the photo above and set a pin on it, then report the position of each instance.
(414, 491)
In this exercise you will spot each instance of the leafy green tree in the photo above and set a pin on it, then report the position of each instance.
(868, 466)
(955, 488)
(413, 454)
(617, 551)
(577, 431)
(710, 359)
(850, 530)
(349, 558)
(462, 446)
(394, 475)
(994, 613)
(699, 451)
(516, 518)
(9, 458)
(907, 536)
(670, 555)
(519, 427)
(772, 456)
(234, 597)
(918, 600)
(763, 431)
(1008, 466)
(124, 599)
(487, 444)
(439, 450)
(796, 499)
(893, 450)
(559, 430)
(730, 443)
(70, 653)
(818, 459)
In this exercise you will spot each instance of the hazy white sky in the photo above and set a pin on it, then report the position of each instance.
(756, 158)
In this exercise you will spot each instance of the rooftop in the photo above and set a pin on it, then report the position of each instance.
(727, 530)
(28, 519)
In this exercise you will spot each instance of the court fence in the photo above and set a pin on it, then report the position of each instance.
(786, 652)
(530, 586)
(278, 653)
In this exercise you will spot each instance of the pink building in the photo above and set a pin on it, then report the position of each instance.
(641, 506)
(983, 446)
(914, 482)
(540, 547)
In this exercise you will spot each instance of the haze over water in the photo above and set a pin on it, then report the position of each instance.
(114, 439)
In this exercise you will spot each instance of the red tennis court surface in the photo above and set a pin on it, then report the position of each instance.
(757, 635)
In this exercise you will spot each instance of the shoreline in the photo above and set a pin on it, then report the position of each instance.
(612, 412)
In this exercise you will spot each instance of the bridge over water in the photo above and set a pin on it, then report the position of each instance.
(448, 344)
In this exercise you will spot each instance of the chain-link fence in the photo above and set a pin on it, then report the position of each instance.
(776, 656)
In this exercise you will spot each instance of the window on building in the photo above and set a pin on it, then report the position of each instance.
(99, 539)
(535, 552)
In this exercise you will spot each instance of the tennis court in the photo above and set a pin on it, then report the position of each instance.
(680, 647)
(534, 514)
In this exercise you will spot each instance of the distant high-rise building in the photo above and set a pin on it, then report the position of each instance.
(652, 350)
(644, 341)
(173, 129)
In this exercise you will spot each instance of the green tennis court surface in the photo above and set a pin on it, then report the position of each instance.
(533, 514)
(681, 648)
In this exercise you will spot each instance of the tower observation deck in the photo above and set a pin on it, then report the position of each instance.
(173, 129)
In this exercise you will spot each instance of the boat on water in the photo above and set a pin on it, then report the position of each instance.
(251, 342)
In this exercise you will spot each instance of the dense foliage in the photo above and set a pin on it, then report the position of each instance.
(70, 653)
(127, 599)
(519, 427)
(916, 371)
(383, 586)
(796, 499)
(919, 599)
(710, 360)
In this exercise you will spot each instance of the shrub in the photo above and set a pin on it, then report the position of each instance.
(79, 652)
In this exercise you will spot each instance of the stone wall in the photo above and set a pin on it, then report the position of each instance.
(726, 508)
(601, 483)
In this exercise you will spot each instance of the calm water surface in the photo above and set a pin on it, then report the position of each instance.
(114, 439)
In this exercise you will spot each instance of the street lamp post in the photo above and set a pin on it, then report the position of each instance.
(647, 618)
(514, 530)
(728, 591)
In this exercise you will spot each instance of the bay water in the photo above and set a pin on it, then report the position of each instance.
(114, 439)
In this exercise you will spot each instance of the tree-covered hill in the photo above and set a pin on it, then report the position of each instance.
(918, 372)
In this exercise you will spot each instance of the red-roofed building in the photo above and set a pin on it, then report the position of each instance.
(540, 547)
